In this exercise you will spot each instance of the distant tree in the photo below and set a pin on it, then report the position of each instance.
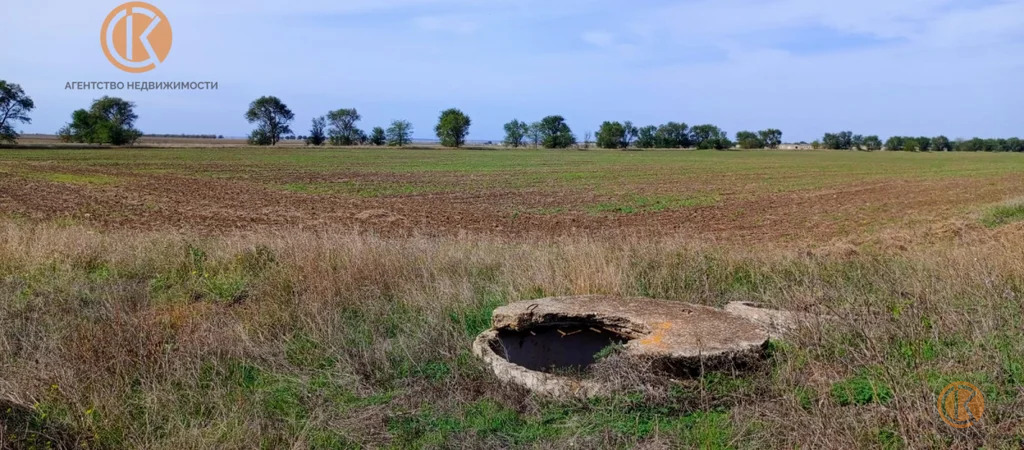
(515, 133)
(342, 129)
(611, 135)
(673, 135)
(110, 120)
(838, 141)
(857, 142)
(749, 140)
(647, 137)
(587, 139)
(941, 144)
(378, 136)
(771, 137)
(535, 134)
(630, 134)
(872, 143)
(399, 133)
(14, 107)
(555, 133)
(272, 118)
(895, 143)
(709, 136)
(816, 145)
(911, 145)
(316, 132)
(452, 127)
(1015, 145)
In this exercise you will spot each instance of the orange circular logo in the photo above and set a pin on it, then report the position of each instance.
(961, 405)
(136, 37)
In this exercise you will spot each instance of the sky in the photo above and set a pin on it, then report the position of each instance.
(886, 67)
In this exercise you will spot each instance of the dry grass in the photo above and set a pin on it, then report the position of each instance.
(342, 340)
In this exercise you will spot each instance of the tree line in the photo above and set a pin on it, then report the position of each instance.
(846, 140)
(111, 120)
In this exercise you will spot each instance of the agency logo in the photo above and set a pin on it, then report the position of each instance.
(136, 37)
(961, 405)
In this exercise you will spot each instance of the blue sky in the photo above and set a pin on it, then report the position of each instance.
(917, 67)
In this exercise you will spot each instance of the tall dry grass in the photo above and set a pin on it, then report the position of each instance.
(344, 340)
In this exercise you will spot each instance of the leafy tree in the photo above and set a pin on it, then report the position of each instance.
(1014, 145)
(316, 132)
(924, 144)
(343, 130)
(673, 135)
(630, 133)
(109, 120)
(857, 142)
(709, 136)
(452, 128)
(772, 137)
(535, 134)
(272, 118)
(378, 136)
(647, 137)
(555, 133)
(838, 141)
(895, 143)
(515, 133)
(14, 107)
(399, 133)
(611, 135)
(911, 145)
(816, 145)
(872, 143)
(941, 144)
(749, 140)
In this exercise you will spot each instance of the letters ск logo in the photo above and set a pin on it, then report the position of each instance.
(136, 37)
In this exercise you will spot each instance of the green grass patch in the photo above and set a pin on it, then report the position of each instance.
(1004, 214)
(633, 204)
(861, 389)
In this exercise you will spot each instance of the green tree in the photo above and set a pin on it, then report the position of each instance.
(555, 133)
(673, 135)
(872, 143)
(630, 134)
(771, 137)
(342, 128)
(378, 136)
(14, 107)
(535, 134)
(316, 132)
(838, 141)
(924, 144)
(515, 133)
(749, 140)
(452, 128)
(110, 120)
(399, 133)
(857, 142)
(895, 143)
(708, 136)
(941, 144)
(1015, 145)
(611, 135)
(272, 118)
(647, 137)
(816, 145)
(910, 145)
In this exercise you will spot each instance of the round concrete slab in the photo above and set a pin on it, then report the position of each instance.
(573, 329)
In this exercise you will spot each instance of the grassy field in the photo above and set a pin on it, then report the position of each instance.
(241, 298)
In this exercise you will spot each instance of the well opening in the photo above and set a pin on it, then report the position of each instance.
(556, 348)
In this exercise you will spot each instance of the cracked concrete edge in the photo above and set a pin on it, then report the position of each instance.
(776, 322)
(535, 381)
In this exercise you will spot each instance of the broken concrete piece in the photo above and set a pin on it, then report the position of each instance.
(536, 343)
(774, 321)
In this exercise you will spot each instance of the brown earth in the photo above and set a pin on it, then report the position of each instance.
(250, 202)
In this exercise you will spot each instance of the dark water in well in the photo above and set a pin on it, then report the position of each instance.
(553, 348)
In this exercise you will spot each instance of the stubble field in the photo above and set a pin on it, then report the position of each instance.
(326, 298)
